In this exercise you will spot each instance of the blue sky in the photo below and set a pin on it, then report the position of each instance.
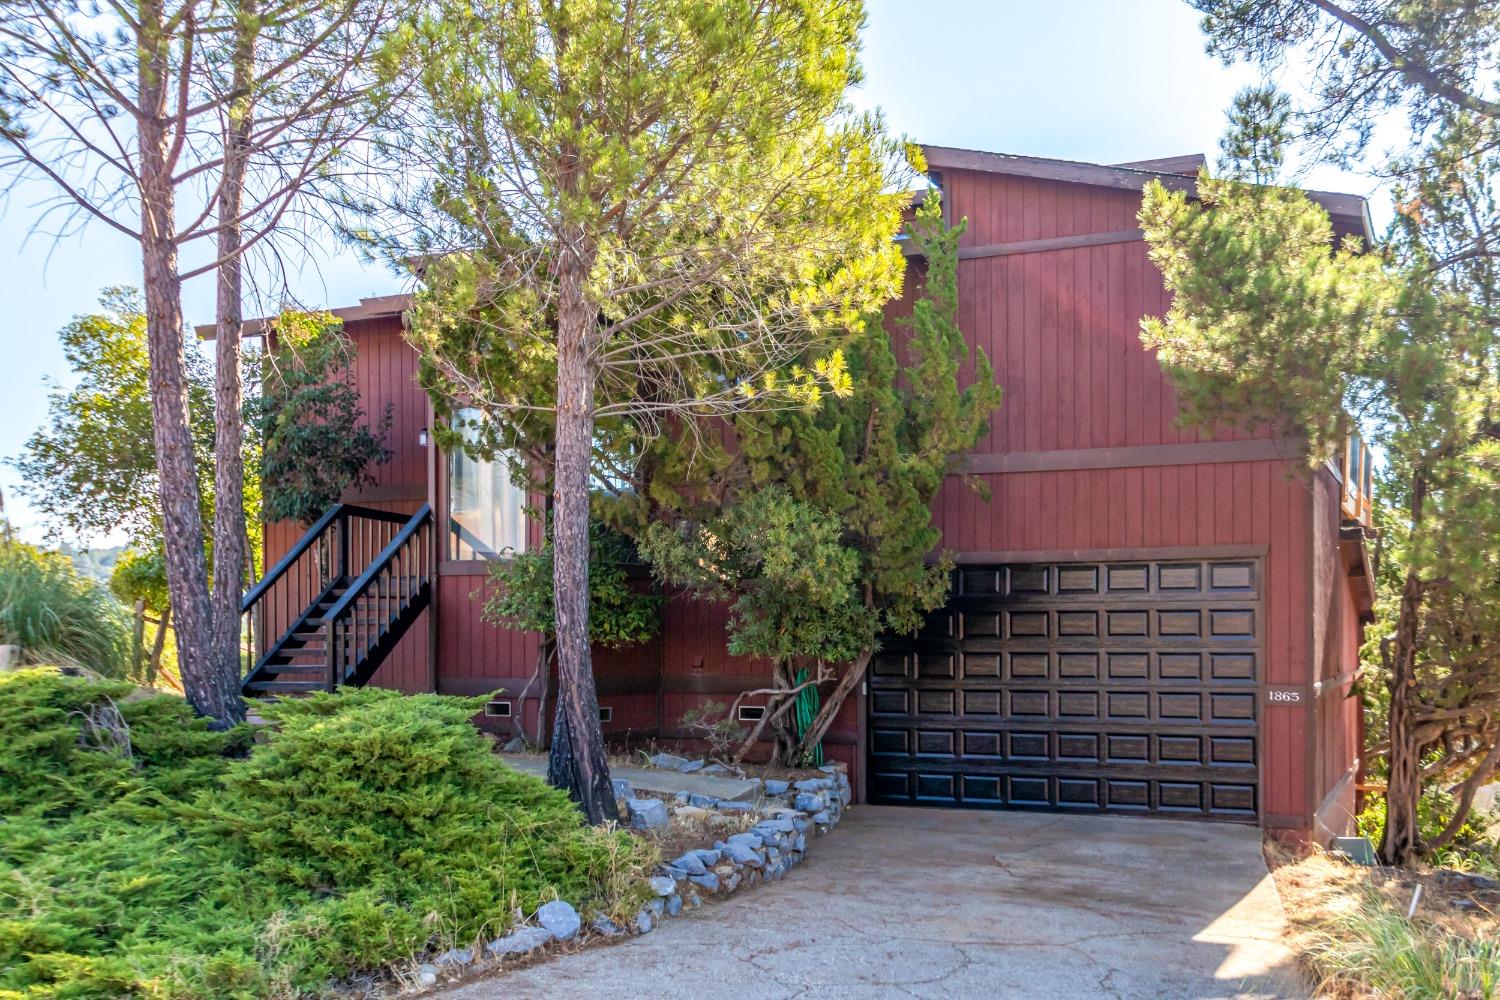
(1095, 80)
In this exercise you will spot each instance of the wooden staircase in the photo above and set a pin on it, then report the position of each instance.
(336, 605)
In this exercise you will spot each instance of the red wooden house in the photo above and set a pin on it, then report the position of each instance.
(1144, 619)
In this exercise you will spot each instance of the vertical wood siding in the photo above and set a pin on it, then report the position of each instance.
(1062, 329)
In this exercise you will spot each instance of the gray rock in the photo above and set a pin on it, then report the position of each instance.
(691, 864)
(742, 855)
(675, 873)
(644, 921)
(656, 906)
(427, 975)
(829, 768)
(622, 788)
(606, 927)
(775, 826)
(702, 801)
(708, 881)
(777, 787)
(668, 760)
(646, 814)
(707, 855)
(822, 818)
(800, 844)
(689, 766)
(560, 918)
(749, 839)
(814, 785)
(725, 805)
(516, 744)
(455, 956)
(715, 769)
(662, 886)
(693, 901)
(809, 802)
(521, 941)
(799, 823)
(731, 882)
(674, 905)
(681, 798)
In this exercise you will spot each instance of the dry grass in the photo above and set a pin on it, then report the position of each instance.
(1350, 926)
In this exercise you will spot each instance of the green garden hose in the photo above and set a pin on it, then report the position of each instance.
(805, 711)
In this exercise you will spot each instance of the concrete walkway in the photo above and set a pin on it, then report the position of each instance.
(657, 780)
(930, 903)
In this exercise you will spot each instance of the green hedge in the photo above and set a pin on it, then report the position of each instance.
(367, 828)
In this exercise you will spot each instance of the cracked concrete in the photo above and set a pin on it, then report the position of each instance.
(943, 904)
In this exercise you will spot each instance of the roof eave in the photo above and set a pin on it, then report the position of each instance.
(377, 307)
(1350, 212)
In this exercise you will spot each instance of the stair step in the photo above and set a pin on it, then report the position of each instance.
(300, 669)
(285, 687)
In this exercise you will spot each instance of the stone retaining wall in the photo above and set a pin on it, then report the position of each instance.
(790, 816)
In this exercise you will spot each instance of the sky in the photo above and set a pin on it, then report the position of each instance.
(1102, 81)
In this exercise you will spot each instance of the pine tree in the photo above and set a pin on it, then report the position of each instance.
(635, 215)
(1270, 320)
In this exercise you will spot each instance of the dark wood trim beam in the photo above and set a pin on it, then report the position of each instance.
(394, 493)
(1052, 243)
(672, 733)
(500, 687)
(609, 687)
(987, 557)
(1139, 456)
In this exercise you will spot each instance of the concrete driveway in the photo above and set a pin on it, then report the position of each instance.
(937, 903)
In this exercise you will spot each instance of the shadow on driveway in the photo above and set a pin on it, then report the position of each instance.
(941, 903)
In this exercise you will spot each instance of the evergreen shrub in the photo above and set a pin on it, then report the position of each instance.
(144, 855)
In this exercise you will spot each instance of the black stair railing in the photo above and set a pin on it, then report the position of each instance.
(281, 611)
(372, 612)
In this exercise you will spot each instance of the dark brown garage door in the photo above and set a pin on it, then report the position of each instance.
(1110, 687)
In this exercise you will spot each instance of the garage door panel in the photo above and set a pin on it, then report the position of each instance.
(980, 666)
(1126, 687)
(1116, 742)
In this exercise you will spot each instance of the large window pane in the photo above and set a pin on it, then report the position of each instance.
(486, 511)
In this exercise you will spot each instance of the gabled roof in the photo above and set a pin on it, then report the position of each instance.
(372, 308)
(1349, 213)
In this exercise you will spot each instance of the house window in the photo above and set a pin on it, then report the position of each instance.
(486, 510)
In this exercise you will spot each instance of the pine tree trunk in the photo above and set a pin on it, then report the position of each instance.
(229, 391)
(182, 527)
(581, 765)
